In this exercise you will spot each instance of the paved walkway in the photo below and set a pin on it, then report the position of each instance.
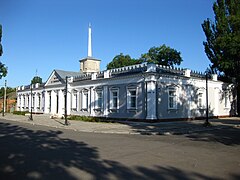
(160, 128)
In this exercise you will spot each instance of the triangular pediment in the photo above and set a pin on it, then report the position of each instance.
(54, 79)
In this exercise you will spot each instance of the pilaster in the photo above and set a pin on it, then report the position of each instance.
(151, 99)
(92, 113)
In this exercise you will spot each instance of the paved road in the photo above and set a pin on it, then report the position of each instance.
(30, 151)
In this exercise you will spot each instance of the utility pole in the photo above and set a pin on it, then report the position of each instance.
(4, 98)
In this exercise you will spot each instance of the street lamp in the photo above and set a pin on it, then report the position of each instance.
(65, 101)
(31, 118)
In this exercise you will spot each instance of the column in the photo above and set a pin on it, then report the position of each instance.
(60, 102)
(46, 102)
(92, 113)
(42, 106)
(68, 102)
(53, 102)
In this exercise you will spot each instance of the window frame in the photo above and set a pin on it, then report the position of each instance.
(85, 99)
(39, 101)
(130, 96)
(200, 100)
(24, 102)
(174, 98)
(98, 105)
(74, 100)
(28, 100)
(226, 99)
(112, 90)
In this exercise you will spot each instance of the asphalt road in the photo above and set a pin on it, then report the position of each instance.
(37, 152)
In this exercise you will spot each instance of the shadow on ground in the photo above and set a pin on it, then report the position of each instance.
(28, 154)
(230, 136)
(225, 131)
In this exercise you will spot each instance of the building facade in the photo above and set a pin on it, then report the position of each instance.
(144, 91)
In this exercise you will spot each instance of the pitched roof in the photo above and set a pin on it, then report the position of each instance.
(62, 74)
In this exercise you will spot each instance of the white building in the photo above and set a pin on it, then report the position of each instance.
(143, 91)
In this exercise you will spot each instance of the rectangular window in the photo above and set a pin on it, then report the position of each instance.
(74, 101)
(200, 100)
(24, 101)
(33, 104)
(114, 99)
(43, 101)
(172, 98)
(85, 100)
(39, 101)
(132, 99)
(98, 99)
(226, 99)
(27, 105)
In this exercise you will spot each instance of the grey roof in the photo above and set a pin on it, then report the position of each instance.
(62, 74)
(89, 58)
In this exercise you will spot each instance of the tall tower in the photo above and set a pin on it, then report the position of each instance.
(89, 64)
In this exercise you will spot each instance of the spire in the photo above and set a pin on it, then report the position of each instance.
(89, 41)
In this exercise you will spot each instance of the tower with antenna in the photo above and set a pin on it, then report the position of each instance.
(89, 64)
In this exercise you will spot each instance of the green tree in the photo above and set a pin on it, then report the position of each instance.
(121, 61)
(36, 79)
(222, 45)
(3, 69)
(163, 55)
(9, 90)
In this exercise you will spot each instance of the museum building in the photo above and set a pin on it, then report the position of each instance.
(144, 91)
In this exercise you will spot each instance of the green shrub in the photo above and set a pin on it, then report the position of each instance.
(84, 118)
(20, 112)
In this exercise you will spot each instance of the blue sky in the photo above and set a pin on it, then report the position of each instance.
(44, 35)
